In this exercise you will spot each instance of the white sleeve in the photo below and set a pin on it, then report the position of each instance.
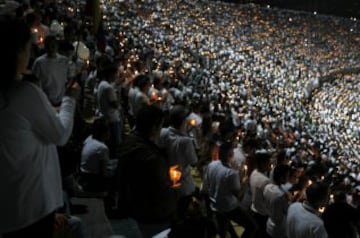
(51, 127)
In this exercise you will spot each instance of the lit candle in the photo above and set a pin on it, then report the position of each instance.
(309, 182)
(321, 209)
(192, 122)
(175, 175)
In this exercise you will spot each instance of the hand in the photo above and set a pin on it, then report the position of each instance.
(60, 221)
(73, 91)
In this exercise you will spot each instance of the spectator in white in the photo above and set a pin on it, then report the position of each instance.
(223, 184)
(134, 89)
(278, 202)
(30, 129)
(52, 69)
(95, 157)
(303, 220)
(141, 97)
(180, 151)
(258, 180)
(108, 104)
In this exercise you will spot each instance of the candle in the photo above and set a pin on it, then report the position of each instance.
(192, 122)
(309, 182)
(175, 175)
(321, 209)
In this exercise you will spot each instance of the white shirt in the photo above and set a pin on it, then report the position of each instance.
(30, 178)
(277, 202)
(53, 75)
(106, 95)
(258, 181)
(94, 156)
(180, 151)
(303, 222)
(141, 99)
(223, 186)
(131, 97)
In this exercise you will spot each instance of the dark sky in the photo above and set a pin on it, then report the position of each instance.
(348, 8)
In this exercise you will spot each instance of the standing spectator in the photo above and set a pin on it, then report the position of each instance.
(108, 104)
(278, 202)
(30, 129)
(223, 185)
(146, 194)
(340, 218)
(303, 220)
(180, 151)
(141, 97)
(53, 70)
(258, 180)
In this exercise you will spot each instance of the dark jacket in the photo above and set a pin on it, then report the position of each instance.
(144, 184)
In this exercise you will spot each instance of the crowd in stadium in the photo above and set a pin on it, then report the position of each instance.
(185, 117)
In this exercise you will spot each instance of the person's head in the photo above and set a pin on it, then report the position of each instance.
(226, 153)
(262, 159)
(51, 45)
(149, 121)
(101, 129)
(317, 194)
(109, 72)
(143, 83)
(15, 48)
(281, 174)
(178, 115)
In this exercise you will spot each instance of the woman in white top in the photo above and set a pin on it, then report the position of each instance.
(30, 129)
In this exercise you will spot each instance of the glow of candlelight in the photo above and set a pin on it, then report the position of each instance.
(310, 182)
(321, 209)
(192, 122)
(175, 175)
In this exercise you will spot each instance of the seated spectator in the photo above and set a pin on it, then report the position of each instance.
(95, 160)
(145, 189)
(303, 220)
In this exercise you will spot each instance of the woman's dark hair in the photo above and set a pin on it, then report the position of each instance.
(280, 172)
(15, 34)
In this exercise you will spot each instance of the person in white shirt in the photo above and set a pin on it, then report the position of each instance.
(52, 69)
(141, 97)
(95, 157)
(278, 202)
(303, 219)
(108, 105)
(134, 89)
(258, 180)
(223, 183)
(180, 151)
(30, 129)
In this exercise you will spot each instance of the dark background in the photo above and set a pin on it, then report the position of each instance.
(347, 8)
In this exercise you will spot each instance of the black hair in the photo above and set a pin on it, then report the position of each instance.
(100, 127)
(178, 114)
(142, 81)
(15, 35)
(148, 118)
(280, 172)
(225, 151)
(316, 193)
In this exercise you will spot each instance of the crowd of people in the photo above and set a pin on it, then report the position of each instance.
(261, 103)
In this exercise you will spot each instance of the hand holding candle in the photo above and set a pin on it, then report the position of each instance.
(175, 175)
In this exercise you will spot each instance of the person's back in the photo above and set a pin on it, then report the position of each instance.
(223, 186)
(304, 222)
(303, 219)
(145, 189)
(105, 96)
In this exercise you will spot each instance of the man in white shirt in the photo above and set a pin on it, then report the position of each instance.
(95, 157)
(223, 183)
(108, 105)
(303, 220)
(180, 151)
(52, 69)
(277, 201)
(258, 181)
(141, 97)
